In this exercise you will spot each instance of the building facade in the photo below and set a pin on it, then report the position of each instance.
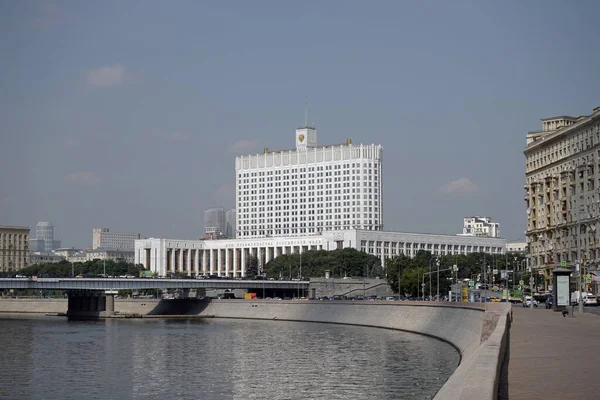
(14, 248)
(102, 238)
(44, 241)
(230, 223)
(228, 257)
(309, 189)
(480, 226)
(214, 222)
(562, 183)
(516, 247)
(44, 258)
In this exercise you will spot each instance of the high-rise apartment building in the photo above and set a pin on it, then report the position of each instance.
(14, 248)
(309, 189)
(480, 226)
(44, 238)
(562, 193)
(214, 221)
(230, 223)
(102, 238)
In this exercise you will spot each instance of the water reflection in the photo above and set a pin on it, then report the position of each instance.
(49, 358)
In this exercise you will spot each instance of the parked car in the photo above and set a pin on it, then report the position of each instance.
(590, 300)
(529, 300)
(549, 301)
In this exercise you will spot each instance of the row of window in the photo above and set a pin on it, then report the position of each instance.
(574, 144)
(308, 169)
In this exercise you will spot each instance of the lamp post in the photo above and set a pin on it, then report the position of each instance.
(437, 262)
(579, 266)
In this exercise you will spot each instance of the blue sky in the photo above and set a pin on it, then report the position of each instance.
(128, 114)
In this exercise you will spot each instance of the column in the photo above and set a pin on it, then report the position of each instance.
(243, 250)
(197, 262)
(235, 262)
(189, 262)
(205, 261)
(219, 262)
(268, 255)
(181, 251)
(226, 262)
(172, 260)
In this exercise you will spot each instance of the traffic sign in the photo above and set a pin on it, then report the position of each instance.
(422, 285)
(521, 283)
(471, 283)
(531, 281)
(563, 263)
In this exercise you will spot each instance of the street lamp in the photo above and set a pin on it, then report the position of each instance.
(580, 280)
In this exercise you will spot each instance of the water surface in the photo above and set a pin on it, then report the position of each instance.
(213, 359)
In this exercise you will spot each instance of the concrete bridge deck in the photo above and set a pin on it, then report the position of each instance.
(551, 357)
(145, 283)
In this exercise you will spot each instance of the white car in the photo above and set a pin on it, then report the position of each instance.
(528, 300)
(590, 300)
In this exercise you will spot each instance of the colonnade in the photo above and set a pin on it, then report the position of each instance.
(223, 262)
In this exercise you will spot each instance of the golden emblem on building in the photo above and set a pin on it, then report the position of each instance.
(301, 138)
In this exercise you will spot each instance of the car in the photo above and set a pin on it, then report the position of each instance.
(529, 300)
(549, 301)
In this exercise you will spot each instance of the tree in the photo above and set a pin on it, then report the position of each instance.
(252, 267)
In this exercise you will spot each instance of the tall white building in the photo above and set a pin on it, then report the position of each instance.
(309, 198)
(309, 189)
(102, 238)
(214, 221)
(480, 226)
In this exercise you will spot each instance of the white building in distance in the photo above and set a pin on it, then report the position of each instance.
(104, 239)
(308, 198)
(516, 247)
(309, 189)
(480, 226)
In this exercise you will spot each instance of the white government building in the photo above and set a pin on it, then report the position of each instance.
(313, 197)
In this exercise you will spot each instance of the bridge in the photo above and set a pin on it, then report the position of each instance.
(145, 283)
(93, 298)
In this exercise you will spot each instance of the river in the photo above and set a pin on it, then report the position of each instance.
(213, 359)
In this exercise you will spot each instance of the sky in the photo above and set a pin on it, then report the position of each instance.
(129, 114)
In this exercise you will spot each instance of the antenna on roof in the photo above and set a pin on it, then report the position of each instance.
(305, 111)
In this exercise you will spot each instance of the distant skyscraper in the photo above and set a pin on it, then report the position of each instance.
(214, 221)
(230, 224)
(44, 238)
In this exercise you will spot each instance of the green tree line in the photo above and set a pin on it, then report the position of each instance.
(92, 268)
(405, 275)
(342, 262)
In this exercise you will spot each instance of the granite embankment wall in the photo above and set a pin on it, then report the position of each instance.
(478, 331)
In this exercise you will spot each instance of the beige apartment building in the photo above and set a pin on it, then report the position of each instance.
(14, 248)
(562, 182)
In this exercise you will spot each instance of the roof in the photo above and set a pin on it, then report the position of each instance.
(14, 227)
(558, 117)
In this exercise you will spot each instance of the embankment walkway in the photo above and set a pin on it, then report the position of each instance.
(551, 357)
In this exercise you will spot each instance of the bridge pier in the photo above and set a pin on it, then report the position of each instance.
(90, 304)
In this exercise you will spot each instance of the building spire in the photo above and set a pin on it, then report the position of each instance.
(305, 111)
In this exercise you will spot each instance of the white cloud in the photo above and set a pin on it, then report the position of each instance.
(243, 146)
(461, 185)
(107, 76)
(82, 178)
